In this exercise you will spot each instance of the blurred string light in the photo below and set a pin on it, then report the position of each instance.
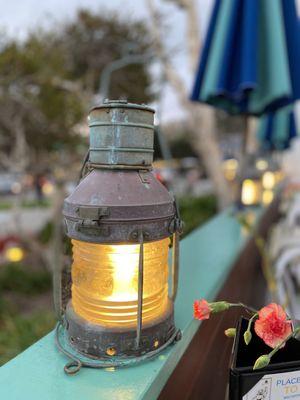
(48, 188)
(230, 168)
(269, 180)
(251, 192)
(267, 196)
(14, 254)
(261, 164)
(16, 188)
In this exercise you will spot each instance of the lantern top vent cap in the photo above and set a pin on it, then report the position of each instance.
(122, 103)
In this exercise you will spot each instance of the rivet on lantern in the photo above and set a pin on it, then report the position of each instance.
(119, 219)
(111, 351)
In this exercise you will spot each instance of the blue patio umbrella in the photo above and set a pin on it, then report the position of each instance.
(250, 61)
(277, 129)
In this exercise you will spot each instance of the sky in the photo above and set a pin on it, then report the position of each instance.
(18, 17)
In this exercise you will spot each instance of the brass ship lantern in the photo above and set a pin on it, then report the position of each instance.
(122, 223)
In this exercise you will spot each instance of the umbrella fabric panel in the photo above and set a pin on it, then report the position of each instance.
(275, 130)
(292, 32)
(239, 73)
(205, 51)
(210, 73)
(274, 84)
(244, 66)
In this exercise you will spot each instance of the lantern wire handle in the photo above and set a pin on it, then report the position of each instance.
(175, 265)
(84, 165)
(57, 292)
(178, 226)
(72, 367)
(140, 290)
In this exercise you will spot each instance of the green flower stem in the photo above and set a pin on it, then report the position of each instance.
(247, 334)
(250, 309)
(278, 347)
(251, 320)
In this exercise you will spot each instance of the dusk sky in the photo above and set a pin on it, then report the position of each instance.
(18, 17)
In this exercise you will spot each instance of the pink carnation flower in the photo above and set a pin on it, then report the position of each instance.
(272, 325)
(202, 309)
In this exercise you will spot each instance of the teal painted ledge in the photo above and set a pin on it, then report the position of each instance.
(206, 258)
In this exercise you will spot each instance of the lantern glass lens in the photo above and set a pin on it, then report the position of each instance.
(251, 192)
(105, 282)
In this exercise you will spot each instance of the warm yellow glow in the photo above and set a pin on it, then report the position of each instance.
(105, 282)
(261, 164)
(48, 188)
(279, 175)
(124, 259)
(268, 180)
(14, 254)
(231, 163)
(268, 196)
(251, 192)
(230, 167)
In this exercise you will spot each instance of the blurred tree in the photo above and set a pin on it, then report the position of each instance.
(47, 84)
(227, 124)
(49, 81)
(201, 118)
(181, 147)
(92, 42)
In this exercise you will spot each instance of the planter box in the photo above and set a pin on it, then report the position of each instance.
(279, 381)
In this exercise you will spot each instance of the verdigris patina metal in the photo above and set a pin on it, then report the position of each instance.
(121, 133)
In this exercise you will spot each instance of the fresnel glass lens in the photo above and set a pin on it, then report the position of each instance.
(122, 223)
(105, 282)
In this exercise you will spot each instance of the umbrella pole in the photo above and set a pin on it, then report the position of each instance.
(248, 146)
(250, 142)
(242, 161)
(246, 135)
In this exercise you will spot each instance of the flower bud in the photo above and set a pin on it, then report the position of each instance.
(219, 306)
(230, 332)
(247, 337)
(262, 362)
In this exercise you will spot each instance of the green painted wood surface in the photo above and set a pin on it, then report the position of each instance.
(206, 259)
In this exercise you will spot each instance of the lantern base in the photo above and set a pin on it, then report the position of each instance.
(78, 360)
(100, 342)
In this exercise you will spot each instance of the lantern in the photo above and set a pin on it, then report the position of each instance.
(270, 179)
(250, 182)
(251, 191)
(122, 222)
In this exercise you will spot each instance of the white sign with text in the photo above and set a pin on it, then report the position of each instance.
(284, 386)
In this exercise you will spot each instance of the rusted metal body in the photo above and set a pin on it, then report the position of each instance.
(111, 206)
(119, 200)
